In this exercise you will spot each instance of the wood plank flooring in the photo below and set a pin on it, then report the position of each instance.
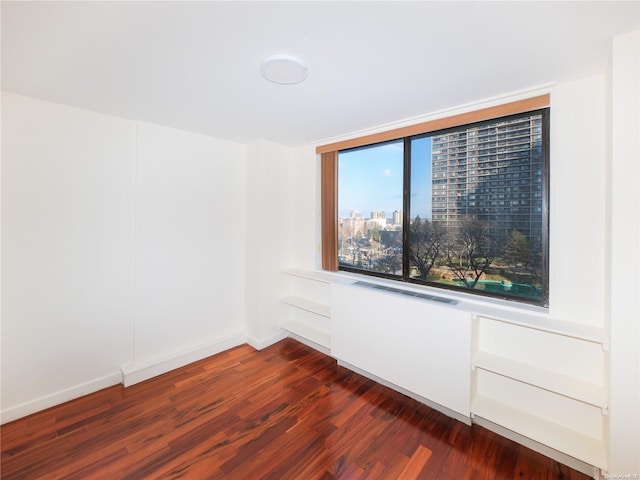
(286, 412)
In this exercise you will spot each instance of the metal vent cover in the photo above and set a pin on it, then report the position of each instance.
(424, 296)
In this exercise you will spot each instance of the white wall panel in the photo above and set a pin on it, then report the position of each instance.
(306, 208)
(67, 251)
(269, 230)
(625, 256)
(578, 217)
(190, 241)
(415, 344)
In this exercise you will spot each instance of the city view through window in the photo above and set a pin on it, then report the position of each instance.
(476, 197)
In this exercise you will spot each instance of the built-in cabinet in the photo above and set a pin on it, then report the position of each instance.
(308, 295)
(541, 378)
(414, 344)
(544, 380)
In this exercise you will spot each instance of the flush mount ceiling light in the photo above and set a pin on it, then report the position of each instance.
(284, 69)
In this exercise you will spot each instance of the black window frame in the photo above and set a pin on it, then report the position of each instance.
(405, 277)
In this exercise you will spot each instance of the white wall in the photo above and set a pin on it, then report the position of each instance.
(189, 256)
(306, 209)
(122, 247)
(624, 259)
(67, 252)
(269, 230)
(577, 254)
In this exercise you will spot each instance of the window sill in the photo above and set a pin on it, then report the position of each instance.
(530, 316)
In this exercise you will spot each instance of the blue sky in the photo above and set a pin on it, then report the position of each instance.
(370, 179)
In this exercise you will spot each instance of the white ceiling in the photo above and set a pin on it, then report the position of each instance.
(196, 65)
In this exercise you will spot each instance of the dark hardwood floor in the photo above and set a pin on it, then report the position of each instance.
(286, 412)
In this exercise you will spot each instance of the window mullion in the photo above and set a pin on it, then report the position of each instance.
(406, 208)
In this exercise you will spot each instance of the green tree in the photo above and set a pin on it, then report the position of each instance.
(519, 256)
(469, 250)
(375, 233)
(390, 263)
(426, 241)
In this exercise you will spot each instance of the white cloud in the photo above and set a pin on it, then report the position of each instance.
(387, 172)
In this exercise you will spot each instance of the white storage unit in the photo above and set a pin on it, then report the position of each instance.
(309, 296)
(538, 380)
(415, 344)
(544, 380)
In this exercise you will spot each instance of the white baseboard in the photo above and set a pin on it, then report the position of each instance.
(563, 458)
(436, 406)
(310, 343)
(266, 342)
(131, 375)
(57, 398)
(142, 371)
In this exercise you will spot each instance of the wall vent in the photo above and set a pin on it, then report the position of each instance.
(424, 296)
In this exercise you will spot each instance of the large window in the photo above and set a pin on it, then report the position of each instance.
(462, 208)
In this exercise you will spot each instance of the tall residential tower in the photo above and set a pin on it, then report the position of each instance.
(492, 172)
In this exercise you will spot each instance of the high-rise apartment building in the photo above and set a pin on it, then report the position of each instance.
(492, 172)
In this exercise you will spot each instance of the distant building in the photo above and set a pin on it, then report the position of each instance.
(378, 215)
(391, 238)
(397, 217)
(352, 227)
(378, 223)
(493, 172)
